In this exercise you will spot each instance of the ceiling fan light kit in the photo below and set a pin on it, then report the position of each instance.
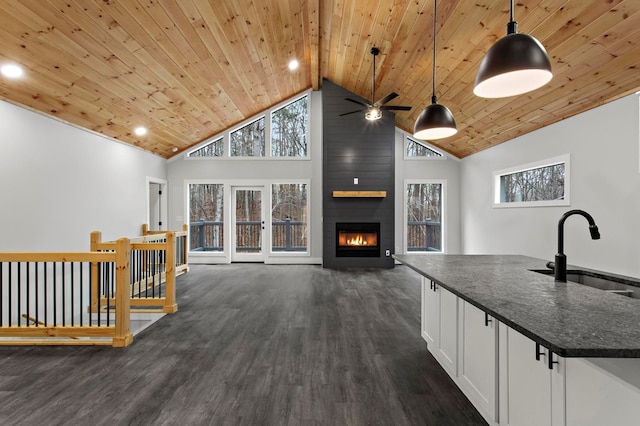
(374, 113)
(435, 121)
(515, 64)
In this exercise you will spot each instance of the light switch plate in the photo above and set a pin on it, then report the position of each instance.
(355, 181)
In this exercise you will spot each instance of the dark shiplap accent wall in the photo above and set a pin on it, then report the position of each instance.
(354, 147)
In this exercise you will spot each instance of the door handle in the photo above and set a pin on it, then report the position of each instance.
(551, 361)
(487, 320)
(539, 352)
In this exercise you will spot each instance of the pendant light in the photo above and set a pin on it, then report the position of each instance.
(435, 121)
(515, 64)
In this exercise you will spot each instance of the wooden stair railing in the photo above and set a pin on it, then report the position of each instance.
(44, 297)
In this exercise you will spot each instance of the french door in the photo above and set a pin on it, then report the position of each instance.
(248, 227)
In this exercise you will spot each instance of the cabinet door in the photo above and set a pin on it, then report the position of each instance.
(528, 383)
(603, 392)
(448, 347)
(430, 315)
(479, 359)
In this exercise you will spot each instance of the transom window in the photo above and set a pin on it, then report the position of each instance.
(212, 149)
(414, 149)
(283, 132)
(289, 126)
(544, 183)
(248, 141)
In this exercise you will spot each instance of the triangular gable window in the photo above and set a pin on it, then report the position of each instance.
(416, 149)
(212, 149)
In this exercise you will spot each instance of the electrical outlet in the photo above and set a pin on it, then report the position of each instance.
(387, 253)
(355, 181)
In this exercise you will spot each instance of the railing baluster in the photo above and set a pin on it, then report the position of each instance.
(28, 320)
(81, 293)
(10, 298)
(55, 295)
(46, 288)
(64, 296)
(19, 290)
(72, 298)
(35, 270)
(91, 298)
(108, 282)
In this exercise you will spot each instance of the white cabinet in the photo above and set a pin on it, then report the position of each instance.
(478, 359)
(440, 324)
(603, 391)
(531, 389)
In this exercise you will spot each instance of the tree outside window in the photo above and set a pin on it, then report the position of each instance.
(424, 217)
(249, 141)
(206, 217)
(289, 126)
(289, 224)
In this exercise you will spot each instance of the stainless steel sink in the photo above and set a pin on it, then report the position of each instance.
(608, 283)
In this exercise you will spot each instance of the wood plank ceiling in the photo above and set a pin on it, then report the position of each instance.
(190, 69)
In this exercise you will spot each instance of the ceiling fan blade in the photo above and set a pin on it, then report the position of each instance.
(357, 102)
(387, 98)
(352, 112)
(396, 108)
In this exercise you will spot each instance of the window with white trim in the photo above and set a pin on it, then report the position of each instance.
(416, 149)
(289, 217)
(289, 129)
(249, 140)
(206, 217)
(424, 208)
(543, 183)
(212, 149)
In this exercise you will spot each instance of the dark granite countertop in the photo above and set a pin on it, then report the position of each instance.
(571, 320)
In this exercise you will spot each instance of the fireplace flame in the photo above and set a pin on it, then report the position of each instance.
(357, 241)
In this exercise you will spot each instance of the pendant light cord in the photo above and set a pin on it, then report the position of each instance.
(434, 100)
(373, 79)
(512, 26)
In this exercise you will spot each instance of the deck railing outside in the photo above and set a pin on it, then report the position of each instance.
(424, 236)
(287, 235)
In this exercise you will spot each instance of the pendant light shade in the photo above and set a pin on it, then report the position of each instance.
(515, 64)
(435, 121)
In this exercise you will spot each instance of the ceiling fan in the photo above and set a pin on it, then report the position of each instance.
(374, 109)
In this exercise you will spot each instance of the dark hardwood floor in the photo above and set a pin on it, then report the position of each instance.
(251, 345)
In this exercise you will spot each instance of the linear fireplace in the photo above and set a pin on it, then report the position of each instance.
(357, 239)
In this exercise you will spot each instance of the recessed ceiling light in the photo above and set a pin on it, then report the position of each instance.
(174, 149)
(293, 64)
(11, 71)
(140, 131)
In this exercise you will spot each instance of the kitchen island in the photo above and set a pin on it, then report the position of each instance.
(526, 349)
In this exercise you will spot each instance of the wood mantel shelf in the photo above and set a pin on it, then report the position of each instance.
(359, 194)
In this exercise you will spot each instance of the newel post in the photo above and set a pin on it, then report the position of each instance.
(123, 336)
(170, 274)
(145, 229)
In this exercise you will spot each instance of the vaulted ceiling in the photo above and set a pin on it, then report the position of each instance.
(190, 69)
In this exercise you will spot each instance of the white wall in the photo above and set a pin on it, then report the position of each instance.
(445, 169)
(58, 183)
(182, 170)
(605, 181)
